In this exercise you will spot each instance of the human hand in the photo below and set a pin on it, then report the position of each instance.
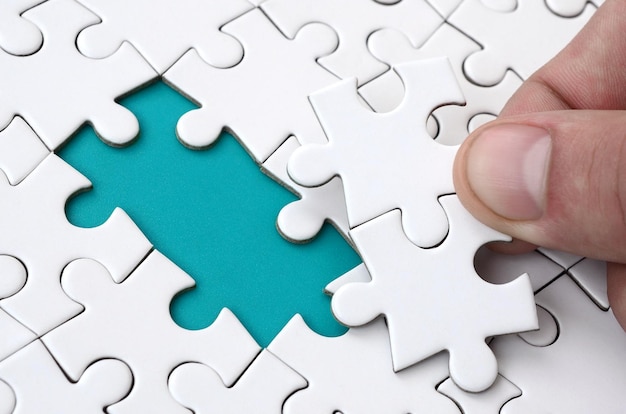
(551, 170)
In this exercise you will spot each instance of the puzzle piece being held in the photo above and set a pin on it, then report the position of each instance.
(388, 160)
(432, 299)
(302, 220)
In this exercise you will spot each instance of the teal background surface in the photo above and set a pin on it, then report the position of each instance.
(212, 212)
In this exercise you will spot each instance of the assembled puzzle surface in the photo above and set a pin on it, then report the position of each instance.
(357, 107)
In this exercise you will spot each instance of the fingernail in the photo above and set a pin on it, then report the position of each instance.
(507, 167)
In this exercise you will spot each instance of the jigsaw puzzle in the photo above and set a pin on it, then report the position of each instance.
(18, 35)
(348, 105)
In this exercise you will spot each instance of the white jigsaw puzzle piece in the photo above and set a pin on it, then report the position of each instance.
(432, 299)
(581, 372)
(163, 30)
(36, 230)
(56, 90)
(522, 40)
(353, 373)
(263, 387)
(18, 35)
(385, 92)
(487, 402)
(302, 220)
(354, 21)
(502, 268)
(386, 160)
(590, 275)
(131, 321)
(21, 150)
(571, 8)
(41, 387)
(262, 100)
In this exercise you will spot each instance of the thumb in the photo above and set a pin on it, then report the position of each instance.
(554, 179)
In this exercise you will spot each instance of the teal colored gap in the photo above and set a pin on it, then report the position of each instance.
(213, 213)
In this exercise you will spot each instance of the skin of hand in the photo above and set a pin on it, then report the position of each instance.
(551, 170)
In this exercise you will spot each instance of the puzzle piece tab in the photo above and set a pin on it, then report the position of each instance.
(489, 401)
(432, 299)
(18, 35)
(388, 160)
(301, 220)
(571, 8)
